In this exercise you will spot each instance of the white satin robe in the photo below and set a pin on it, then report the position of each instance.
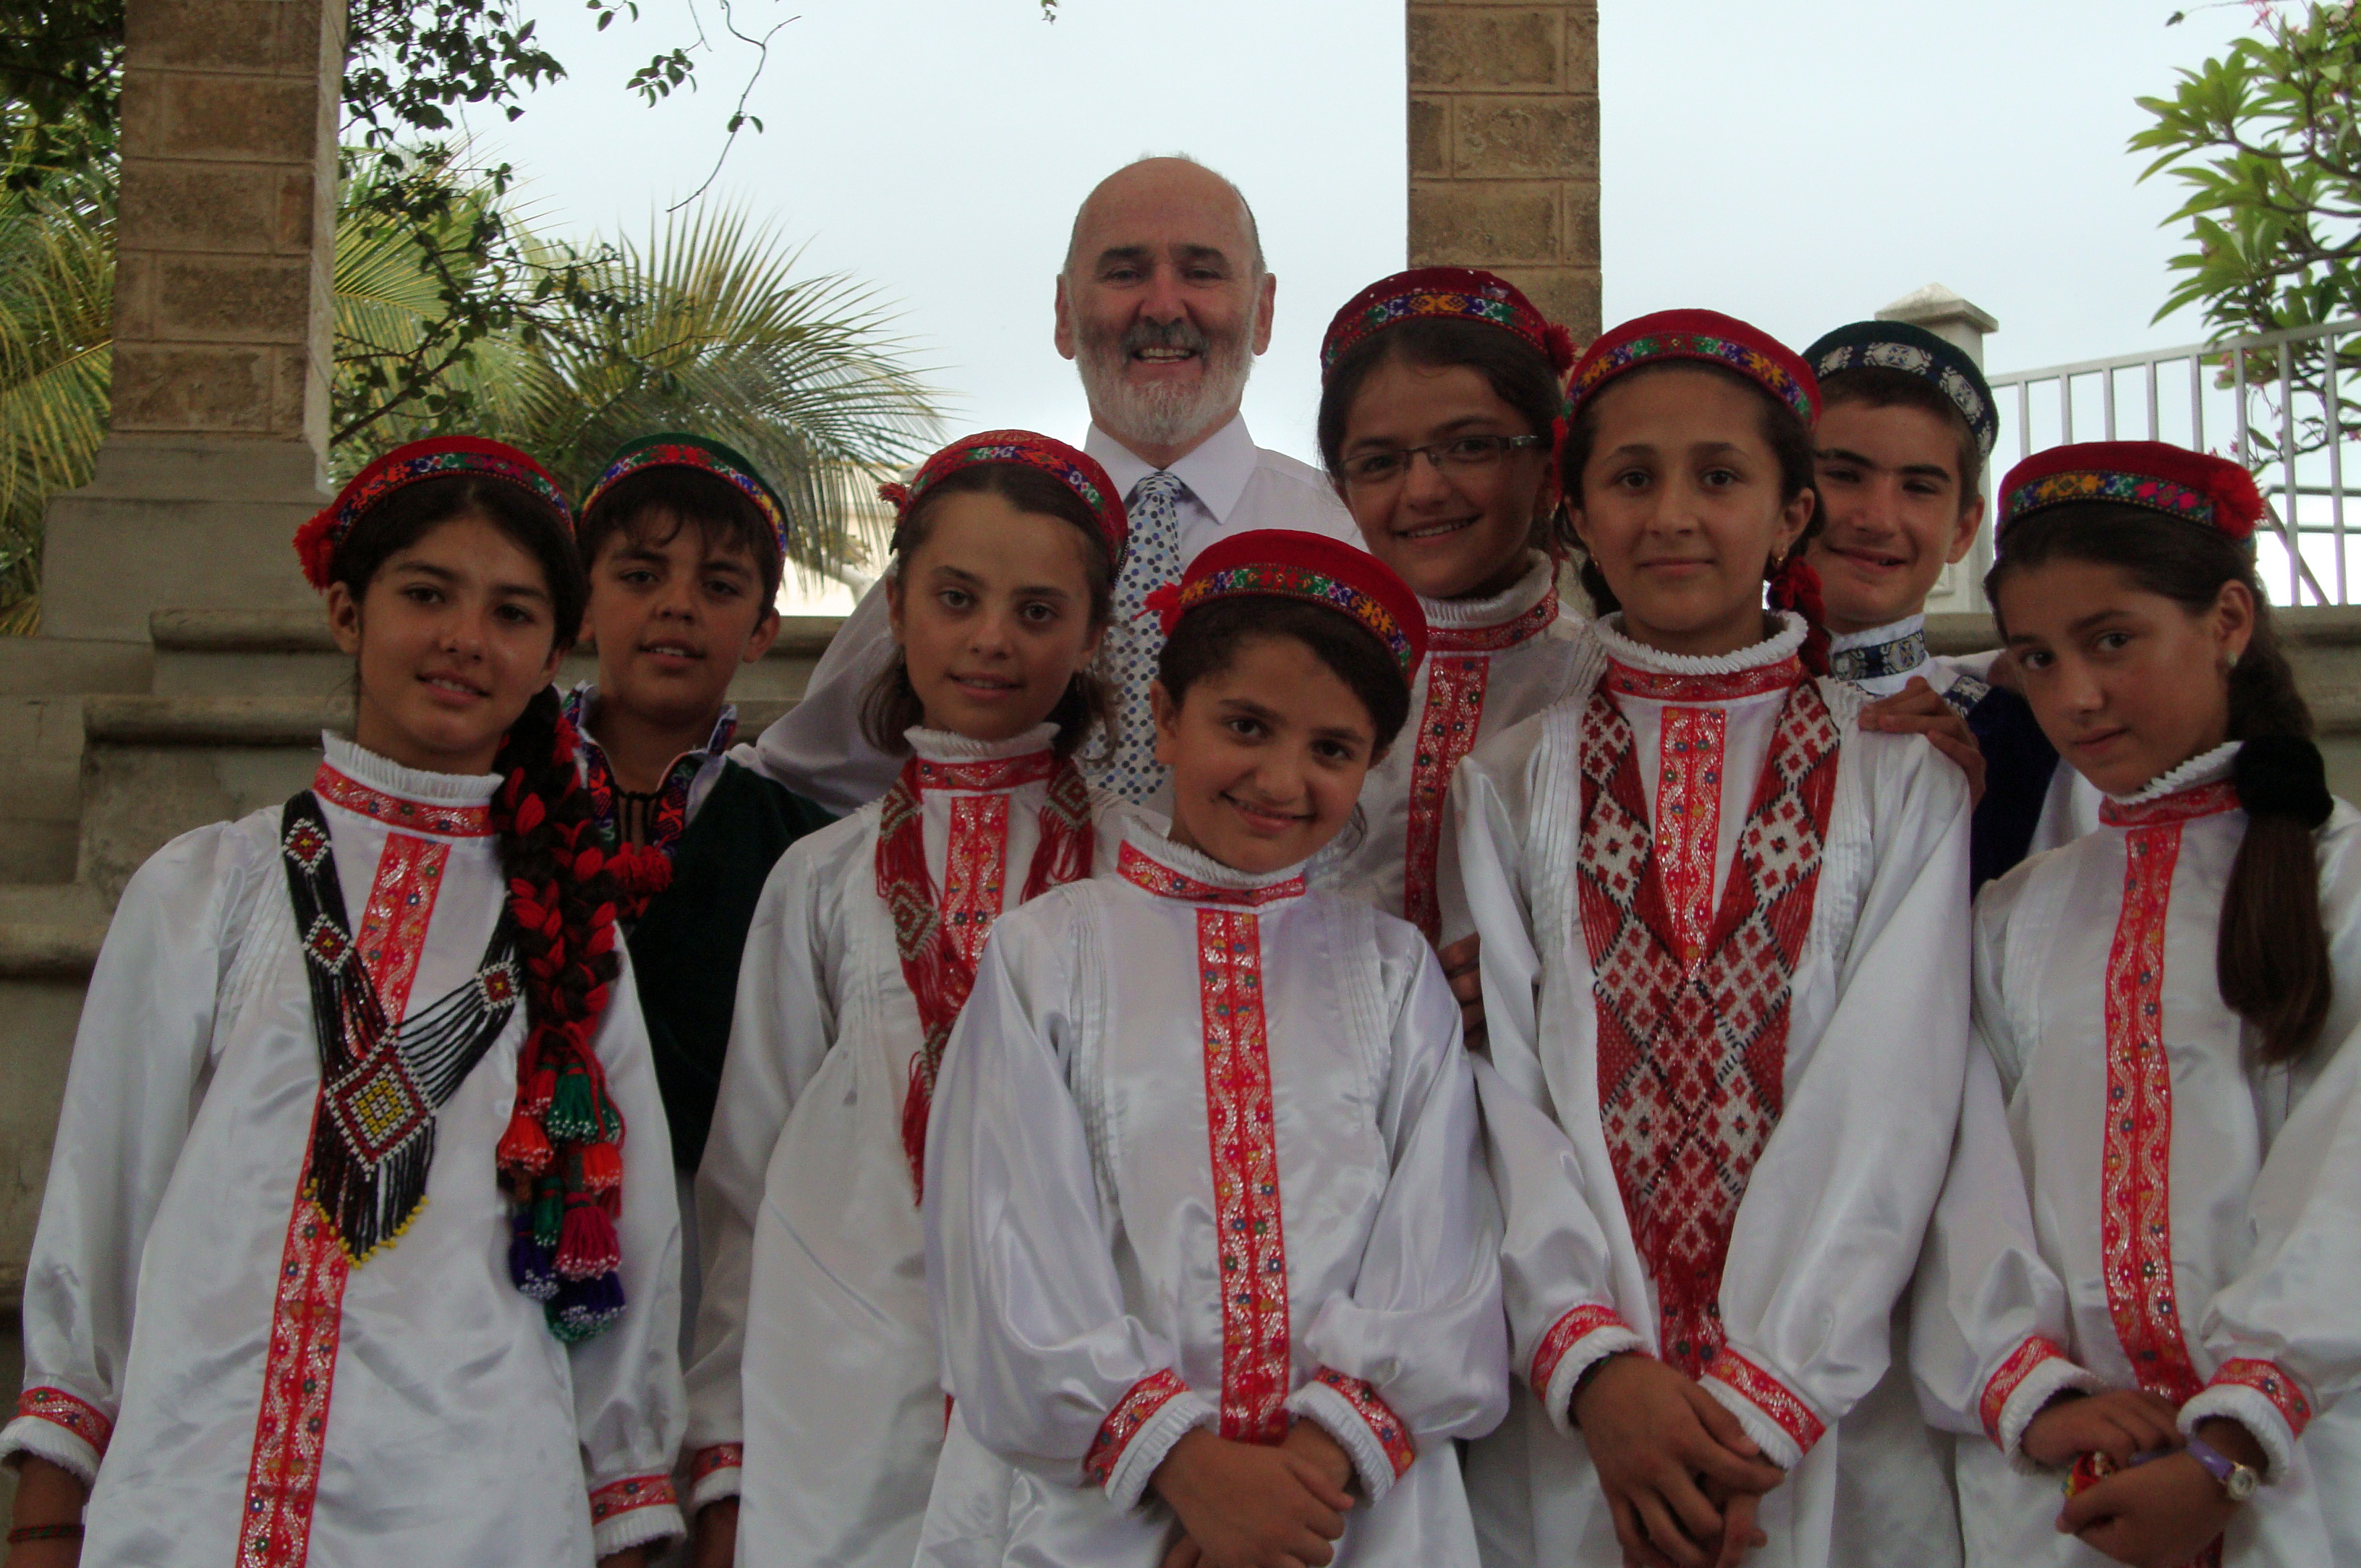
(1490, 662)
(457, 1431)
(2260, 1172)
(815, 1397)
(1828, 1231)
(1075, 1216)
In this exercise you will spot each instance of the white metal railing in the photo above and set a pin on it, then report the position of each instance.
(2288, 404)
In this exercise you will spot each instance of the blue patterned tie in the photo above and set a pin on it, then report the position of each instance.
(1138, 638)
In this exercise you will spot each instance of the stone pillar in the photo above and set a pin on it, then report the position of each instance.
(1504, 147)
(226, 246)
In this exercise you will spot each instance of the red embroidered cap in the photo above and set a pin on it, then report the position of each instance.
(1312, 567)
(2195, 486)
(676, 449)
(316, 541)
(1468, 293)
(1070, 466)
(1709, 337)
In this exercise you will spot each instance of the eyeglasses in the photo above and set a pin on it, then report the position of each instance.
(1460, 455)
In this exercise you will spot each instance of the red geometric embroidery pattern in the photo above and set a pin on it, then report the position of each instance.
(1148, 1396)
(1454, 707)
(992, 774)
(1496, 639)
(2021, 1363)
(720, 1456)
(1774, 1398)
(393, 927)
(1688, 819)
(620, 1498)
(1391, 1435)
(2136, 1171)
(2181, 805)
(1692, 1058)
(1143, 870)
(446, 821)
(974, 869)
(291, 1430)
(1655, 686)
(2273, 1382)
(1247, 1231)
(60, 1408)
(1564, 1335)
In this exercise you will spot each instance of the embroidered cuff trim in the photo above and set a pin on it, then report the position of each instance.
(2019, 1365)
(2239, 1392)
(1773, 1414)
(637, 1527)
(1576, 1342)
(713, 1473)
(1174, 1419)
(78, 1416)
(1123, 1423)
(1349, 1411)
(636, 1508)
(2041, 1382)
(44, 1439)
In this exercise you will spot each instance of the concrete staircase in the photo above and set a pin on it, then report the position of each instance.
(108, 751)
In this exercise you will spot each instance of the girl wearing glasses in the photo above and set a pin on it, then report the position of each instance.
(1440, 390)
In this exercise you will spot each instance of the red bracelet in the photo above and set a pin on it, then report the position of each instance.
(24, 1533)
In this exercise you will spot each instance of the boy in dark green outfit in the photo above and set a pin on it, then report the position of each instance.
(683, 541)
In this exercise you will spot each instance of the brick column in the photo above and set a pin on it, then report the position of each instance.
(226, 243)
(1504, 147)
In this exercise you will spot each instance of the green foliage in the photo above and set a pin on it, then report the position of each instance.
(2267, 139)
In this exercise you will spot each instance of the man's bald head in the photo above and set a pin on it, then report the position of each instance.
(1168, 192)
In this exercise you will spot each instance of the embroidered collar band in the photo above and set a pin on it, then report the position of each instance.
(1150, 861)
(1071, 466)
(1287, 564)
(2198, 787)
(673, 449)
(2154, 475)
(442, 805)
(446, 455)
(1707, 337)
(1442, 293)
(1528, 608)
(1913, 351)
(1897, 648)
(1635, 669)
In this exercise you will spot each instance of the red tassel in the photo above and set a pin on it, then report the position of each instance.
(602, 1167)
(525, 1147)
(1797, 587)
(540, 1090)
(1164, 603)
(1559, 344)
(896, 496)
(586, 1245)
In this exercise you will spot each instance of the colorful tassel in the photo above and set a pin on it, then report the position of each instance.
(585, 1307)
(602, 1167)
(587, 1246)
(530, 1266)
(525, 1147)
(549, 1216)
(573, 1115)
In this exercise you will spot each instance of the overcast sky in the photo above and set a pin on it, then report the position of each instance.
(1797, 164)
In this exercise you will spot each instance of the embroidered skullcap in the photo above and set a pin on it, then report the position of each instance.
(1463, 294)
(316, 541)
(1709, 337)
(1913, 351)
(1070, 466)
(1310, 567)
(2195, 486)
(674, 449)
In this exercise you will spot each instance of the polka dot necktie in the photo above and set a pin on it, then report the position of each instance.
(1138, 638)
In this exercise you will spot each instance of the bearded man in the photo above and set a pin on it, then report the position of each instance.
(1163, 304)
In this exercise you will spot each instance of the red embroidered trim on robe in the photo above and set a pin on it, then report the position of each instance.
(1690, 752)
(2274, 1383)
(78, 1416)
(1564, 1335)
(1148, 1396)
(1497, 638)
(2136, 1172)
(1143, 870)
(2181, 805)
(937, 946)
(1447, 730)
(1245, 1152)
(445, 821)
(2022, 1363)
(1692, 1058)
(1655, 686)
(290, 1429)
(719, 1456)
(1379, 1416)
(1774, 1398)
(629, 1495)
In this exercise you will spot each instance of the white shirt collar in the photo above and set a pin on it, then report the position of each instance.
(1215, 473)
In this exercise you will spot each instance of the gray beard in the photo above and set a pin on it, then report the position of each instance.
(1163, 415)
